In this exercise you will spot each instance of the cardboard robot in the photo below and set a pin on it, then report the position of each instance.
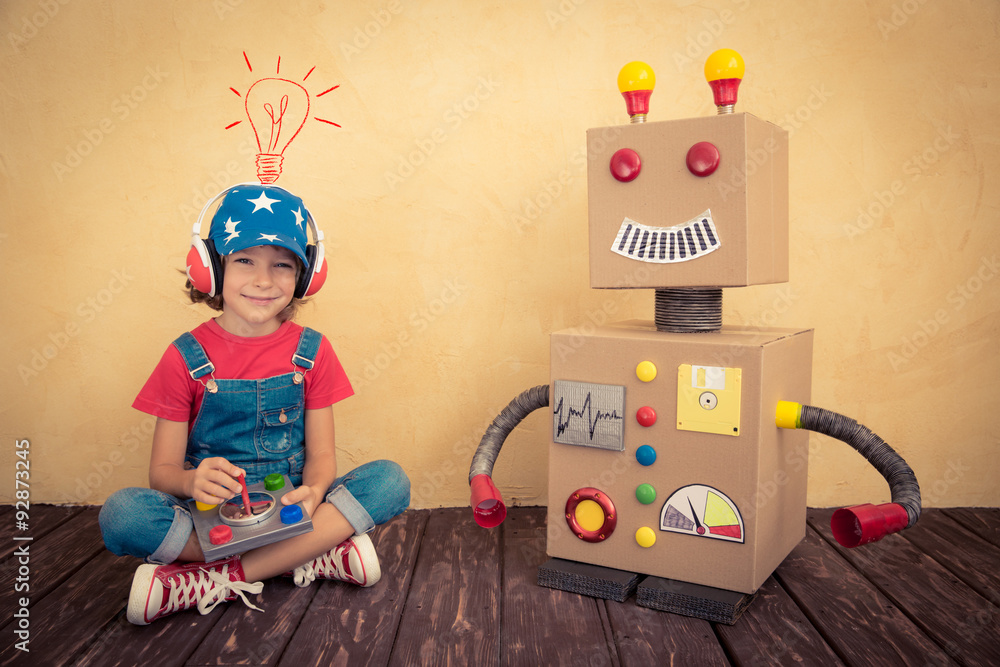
(666, 434)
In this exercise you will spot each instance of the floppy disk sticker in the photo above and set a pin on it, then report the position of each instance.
(708, 399)
(667, 245)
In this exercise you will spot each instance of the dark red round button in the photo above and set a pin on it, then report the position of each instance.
(703, 159)
(625, 165)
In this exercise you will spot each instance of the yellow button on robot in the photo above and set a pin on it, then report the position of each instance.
(589, 515)
(645, 537)
(645, 371)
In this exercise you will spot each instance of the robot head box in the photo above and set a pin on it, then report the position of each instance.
(698, 202)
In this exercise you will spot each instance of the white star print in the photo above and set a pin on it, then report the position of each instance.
(268, 237)
(231, 229)
(262, 202)
(298, 217)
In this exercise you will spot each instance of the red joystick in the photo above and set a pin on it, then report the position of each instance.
(247, 510)
(703, 159)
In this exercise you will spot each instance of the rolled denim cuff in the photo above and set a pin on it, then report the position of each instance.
(352, 510)
(175, 541)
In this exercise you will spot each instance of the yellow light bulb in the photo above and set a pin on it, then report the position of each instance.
(724, 64)
(724, 71)
(636, 81)
(636, 75)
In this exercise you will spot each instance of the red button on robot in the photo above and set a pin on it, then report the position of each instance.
(646, 416)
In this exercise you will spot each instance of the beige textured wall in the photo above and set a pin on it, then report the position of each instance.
(455, 200)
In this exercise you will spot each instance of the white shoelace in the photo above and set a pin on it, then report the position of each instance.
(304, 575)
(330, 563)
(208, 593)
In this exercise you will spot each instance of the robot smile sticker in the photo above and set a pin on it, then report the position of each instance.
(667, 245)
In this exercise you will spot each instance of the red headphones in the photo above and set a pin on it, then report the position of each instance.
(204, 263)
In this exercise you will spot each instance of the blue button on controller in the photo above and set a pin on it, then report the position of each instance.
(291, 514)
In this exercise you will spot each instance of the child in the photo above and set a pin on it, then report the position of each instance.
(249, 392)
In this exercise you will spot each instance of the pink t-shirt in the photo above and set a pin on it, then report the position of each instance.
(170, 392)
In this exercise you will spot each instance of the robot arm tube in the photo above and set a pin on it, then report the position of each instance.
(861, 524)
(487, 504)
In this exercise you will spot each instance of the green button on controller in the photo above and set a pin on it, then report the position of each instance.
(274, 481)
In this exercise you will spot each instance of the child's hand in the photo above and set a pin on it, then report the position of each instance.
(215, 481)
(309, 498)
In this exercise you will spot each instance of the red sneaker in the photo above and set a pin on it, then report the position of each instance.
(160, 590)
(353, 561)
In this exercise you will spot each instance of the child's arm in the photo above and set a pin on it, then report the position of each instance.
(321, 462)
(212, 482)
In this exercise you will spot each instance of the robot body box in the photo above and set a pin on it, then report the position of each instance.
(665, 458)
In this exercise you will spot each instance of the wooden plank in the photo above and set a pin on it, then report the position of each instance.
(946, 609)
(167, 641)
(50, 559)
(66, 620)
(244, 636)
(451, 614)
(858, 622)
(345, 624)
(544, 626)
(42, 520)
(774, 631)
(983, 521)
(649, 637)
(966, 555)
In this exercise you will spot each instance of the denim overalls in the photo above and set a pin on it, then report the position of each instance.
(258, 425)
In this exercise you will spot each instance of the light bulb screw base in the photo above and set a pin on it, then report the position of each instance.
(637, 118)
(726, 108)
(268, 167)
(637, 103)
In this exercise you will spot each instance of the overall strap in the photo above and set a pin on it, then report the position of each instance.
(194, 356)
(305, 353)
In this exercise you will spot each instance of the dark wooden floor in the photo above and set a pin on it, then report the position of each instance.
(453, 593)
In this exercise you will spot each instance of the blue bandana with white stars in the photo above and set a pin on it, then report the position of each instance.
(253, 215)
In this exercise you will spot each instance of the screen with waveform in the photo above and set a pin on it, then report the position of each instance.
(588, 414)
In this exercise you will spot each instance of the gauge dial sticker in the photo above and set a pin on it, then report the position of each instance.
(702, 511)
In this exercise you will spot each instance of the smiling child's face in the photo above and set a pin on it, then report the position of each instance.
(259, 283)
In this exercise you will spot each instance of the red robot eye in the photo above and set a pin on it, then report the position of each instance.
(625, 165)
(703, 159)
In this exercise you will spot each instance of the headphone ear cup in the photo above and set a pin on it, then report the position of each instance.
(314, 276)
(199, 267)
(318, 278)
(204, 267)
